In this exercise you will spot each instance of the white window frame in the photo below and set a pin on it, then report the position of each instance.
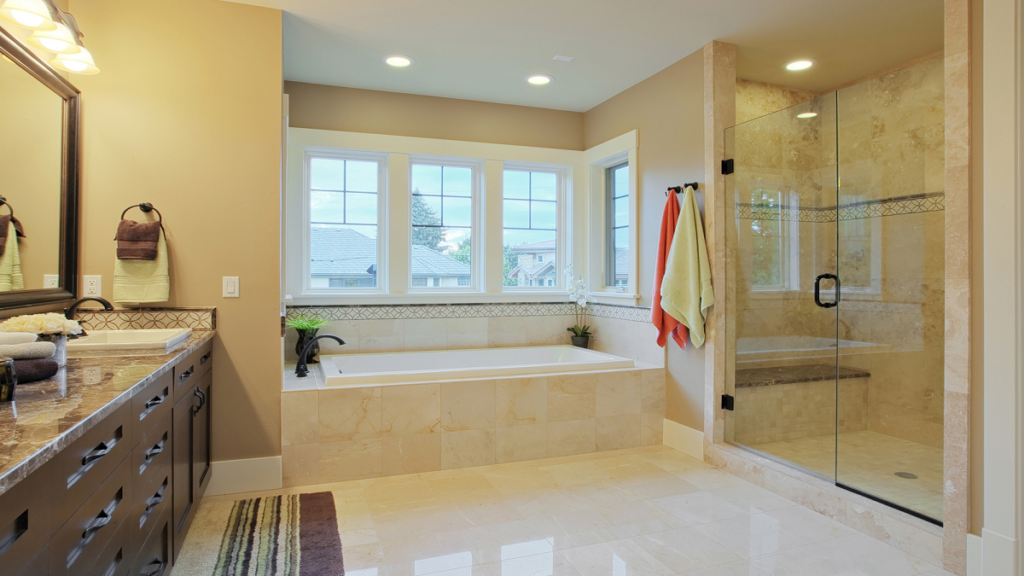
(476, 243)
(563, 210)
(598, 159)
(381, 159)
(789, 247)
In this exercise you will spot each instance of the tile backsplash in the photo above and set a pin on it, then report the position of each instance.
(143, 318)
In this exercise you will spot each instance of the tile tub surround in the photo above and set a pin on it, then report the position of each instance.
(49, 419)
(620, 330)
(333, 435)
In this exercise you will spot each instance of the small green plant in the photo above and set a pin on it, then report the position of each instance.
(578, 330)
(307, 323)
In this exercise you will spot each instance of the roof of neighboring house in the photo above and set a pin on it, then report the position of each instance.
(545, 246)
(343, 251)
(541, 269)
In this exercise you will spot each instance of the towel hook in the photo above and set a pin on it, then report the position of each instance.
(144, 206)
(678, 189)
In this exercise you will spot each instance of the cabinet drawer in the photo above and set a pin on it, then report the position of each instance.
(154, 558)
(152, 456)
(76, 546)
(191, 369)
(37, 566)
(24, 529)
(150, 405)
(150, 503)
(117, 557)
(76, 471)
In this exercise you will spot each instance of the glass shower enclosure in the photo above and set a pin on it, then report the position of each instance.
(836, 264)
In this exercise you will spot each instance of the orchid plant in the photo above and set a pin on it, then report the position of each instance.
(578, 294)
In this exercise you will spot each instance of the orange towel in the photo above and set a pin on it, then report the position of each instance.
(662, 320)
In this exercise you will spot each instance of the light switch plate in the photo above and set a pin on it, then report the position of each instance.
(51, 280)
(92, 285)
(231, 286)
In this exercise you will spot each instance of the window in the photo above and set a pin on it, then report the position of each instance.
(530, 233)
(442, 224)
(772, 265)
(860, 248)
(617, 219)
(344, 202)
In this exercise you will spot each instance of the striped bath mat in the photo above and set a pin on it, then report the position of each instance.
(282, 536)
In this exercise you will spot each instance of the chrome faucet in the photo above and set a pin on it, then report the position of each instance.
(300, 369)
(69, 312)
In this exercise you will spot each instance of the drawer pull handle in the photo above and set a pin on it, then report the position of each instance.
(155, 499)
(154, 568)
(185, 375)
(101, 520)
(205, 358)
(202, 401)
(19, 528)
(98, 452)
(155, 401)
(156, 449)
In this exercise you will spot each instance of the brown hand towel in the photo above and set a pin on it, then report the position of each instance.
(35, 370)
(137, 241)
(5, 222)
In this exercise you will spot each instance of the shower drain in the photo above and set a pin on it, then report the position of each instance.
(907, 475)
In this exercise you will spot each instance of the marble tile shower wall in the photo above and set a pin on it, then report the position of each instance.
(621, 330)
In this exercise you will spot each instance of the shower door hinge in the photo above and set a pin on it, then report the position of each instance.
(728, 166)
(728, 402)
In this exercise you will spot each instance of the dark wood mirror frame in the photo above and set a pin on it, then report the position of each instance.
(70, 178)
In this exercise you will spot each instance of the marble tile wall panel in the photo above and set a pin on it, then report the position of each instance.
(412, 428)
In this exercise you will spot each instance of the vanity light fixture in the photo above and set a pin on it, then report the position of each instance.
(32, 14)
(80, 62)
(539, 79)
(797, 65)
(398, 61)
(59, 41)
(806, 115)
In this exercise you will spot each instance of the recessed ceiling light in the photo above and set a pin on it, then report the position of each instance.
(564, 58)
(807, 115)
(800, 64)
(398, 61)
(539, 79)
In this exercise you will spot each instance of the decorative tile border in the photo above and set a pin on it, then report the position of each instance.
(409, 311)
(918, 203)
(143, 318)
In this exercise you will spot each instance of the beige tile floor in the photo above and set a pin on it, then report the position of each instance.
(642, 512)
(869, 461)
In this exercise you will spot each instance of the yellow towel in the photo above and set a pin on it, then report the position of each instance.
(137, 281)
(686, 292)
(10, 264)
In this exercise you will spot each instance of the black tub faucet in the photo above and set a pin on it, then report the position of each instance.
(300, 369)
(69, 312)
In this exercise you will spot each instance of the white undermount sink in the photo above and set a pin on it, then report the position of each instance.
(156, 339)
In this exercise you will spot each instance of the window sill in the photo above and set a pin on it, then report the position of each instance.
(432, 298)
(615, 297)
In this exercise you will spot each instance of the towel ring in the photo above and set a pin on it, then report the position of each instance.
(3, 201)
(145, 207)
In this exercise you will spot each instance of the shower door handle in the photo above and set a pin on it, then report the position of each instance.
(817, 290)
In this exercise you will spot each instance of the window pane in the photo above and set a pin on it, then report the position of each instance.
(543, 186)
(516, 214)
(517, 184)
(361, 208)
(426, 179)
(426, 210)
(621, 238)
(622, 211)
(530, 258)
(457, 212)
(343, 256)
(458, 181)
(327, 174)
(327, 207)
(360, 176)
(622, 181)
(543, 215)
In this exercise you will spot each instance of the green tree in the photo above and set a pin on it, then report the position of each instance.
(426, 230)
(462, 253)
(511, 261)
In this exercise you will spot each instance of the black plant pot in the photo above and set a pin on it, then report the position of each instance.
(581, 341)
(304, 337)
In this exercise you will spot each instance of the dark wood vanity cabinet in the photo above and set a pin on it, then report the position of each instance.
(192, 439)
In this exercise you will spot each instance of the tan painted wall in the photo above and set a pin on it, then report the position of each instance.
(668, 111)
(186, 114)
(352, 110)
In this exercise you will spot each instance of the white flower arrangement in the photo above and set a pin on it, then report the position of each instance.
(578, 294)
(52, 323)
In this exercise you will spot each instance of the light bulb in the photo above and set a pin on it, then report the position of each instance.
(54, 45)
(74, 66)
(27, 19)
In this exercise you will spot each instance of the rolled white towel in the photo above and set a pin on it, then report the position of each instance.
(28, 351)
(17, 337)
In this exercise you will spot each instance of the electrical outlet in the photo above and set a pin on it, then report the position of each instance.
(93, 285)
(51, 280)
(231, 286)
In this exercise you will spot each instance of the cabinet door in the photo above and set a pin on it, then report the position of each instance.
(202, 457)
(184, 497)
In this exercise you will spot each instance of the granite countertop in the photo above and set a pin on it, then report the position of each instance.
(751, 377)
(48, 415)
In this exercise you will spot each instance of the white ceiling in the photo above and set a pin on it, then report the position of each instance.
(482, 49)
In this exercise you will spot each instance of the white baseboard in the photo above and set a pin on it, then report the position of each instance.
(250, 475)
(999, 554)
(973, 555)
(685, 439)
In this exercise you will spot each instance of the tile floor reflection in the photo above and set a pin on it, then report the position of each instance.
(642, 512)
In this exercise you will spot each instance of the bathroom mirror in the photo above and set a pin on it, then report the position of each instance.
(39, 159)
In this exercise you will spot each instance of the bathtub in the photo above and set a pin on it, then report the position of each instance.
(344, 370)
(800, 347)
